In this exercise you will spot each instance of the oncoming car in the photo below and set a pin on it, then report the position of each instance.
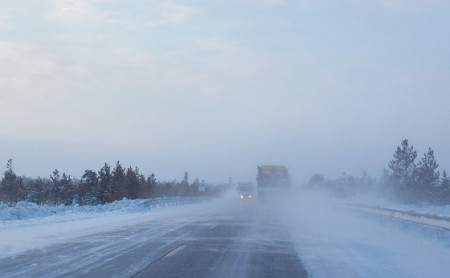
(246, 190)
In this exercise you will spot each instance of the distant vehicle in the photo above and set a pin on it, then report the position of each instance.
(246, 190)
(272, 178)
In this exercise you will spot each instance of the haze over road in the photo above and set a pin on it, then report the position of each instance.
(229, 241)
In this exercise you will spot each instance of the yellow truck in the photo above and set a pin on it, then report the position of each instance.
(271, 179)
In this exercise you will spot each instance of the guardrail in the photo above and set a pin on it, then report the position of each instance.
(424, 219)
(431, 227)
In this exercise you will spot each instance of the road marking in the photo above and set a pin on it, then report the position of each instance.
(171, 253)
(212, 227)
(175, 251)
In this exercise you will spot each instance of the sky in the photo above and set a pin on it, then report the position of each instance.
(216, 88)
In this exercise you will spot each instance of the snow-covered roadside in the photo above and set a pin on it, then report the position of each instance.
(335, 242)
(36, 227)
(27, 210)
(424, 209)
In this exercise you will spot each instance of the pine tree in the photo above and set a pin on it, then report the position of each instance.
(444, 189)
(402, 167)
(68, 191)
(185, 181)
(150, 189)
(445, 181)
(366, 183)
(35, 191)
(55, 187)
(426, 177)
(12, 188)
(184, 185)
(193, 189)
(132, 183)
(89, 188)
(105, 181)
(117, 182)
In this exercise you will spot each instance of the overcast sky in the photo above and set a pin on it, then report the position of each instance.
(216, 88)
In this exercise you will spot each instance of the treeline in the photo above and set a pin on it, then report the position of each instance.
(344, 186)
(97, 187)
(406, 180)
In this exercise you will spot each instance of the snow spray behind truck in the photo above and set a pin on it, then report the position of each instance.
(272, 179)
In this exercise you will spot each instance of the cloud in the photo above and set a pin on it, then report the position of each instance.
(73, 11)
(8, 13)
(176, 13)
(168, 77)
(5, 22)
(264, 2)
(28, 89)
(216, 44)
(409, 6)
(69, 93)
(170, 13)
(137, 15)
(393, 6)
(48, 94)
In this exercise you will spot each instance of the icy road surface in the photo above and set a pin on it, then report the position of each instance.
(214, 239)
(298, 236)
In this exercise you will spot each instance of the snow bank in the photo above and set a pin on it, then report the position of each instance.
(27, 210)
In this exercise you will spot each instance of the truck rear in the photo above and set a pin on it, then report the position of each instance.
(272, 179)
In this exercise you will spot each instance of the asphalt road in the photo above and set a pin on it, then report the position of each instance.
(244, 240)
